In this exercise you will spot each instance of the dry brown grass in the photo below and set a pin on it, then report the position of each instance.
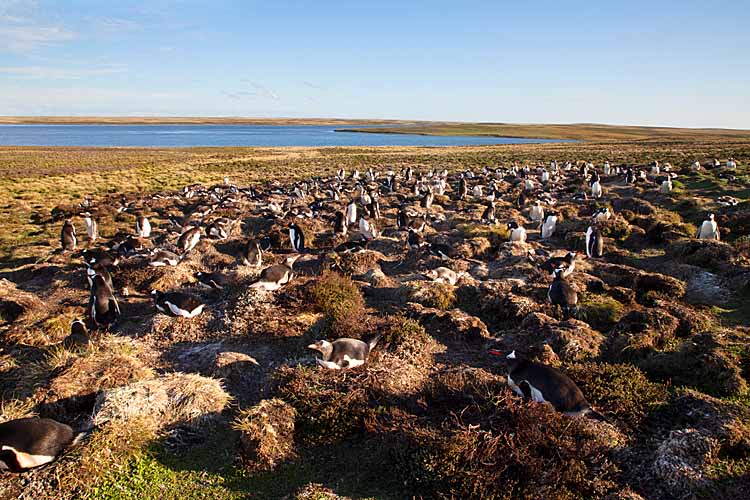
(266, 434)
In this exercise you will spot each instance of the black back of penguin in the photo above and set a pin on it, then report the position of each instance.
(556, 387)
(30, 442)
(68, 236)
(103, 307)
(297, 238)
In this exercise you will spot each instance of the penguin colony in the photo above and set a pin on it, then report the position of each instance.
(352, 206)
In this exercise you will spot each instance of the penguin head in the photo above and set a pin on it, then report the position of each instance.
(291, 259)
(512, 225)
(322, 346)
(77, 326)
(559, 273)
(711, 217)
(156, 295)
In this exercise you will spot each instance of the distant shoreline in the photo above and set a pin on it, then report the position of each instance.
(566, 132)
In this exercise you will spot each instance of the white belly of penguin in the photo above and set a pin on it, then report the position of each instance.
(181, 312)
(26, 460)
(536, 394)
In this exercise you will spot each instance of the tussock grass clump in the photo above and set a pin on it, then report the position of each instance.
(616, 227)
(438, 295)
(601, 312)
(175, 398)
(621, 391)
(406, 339)
(340, 299)
(111, 364)
(331, 405)
(315, 491)
(530, 452)
(109, 448)
(266, 434)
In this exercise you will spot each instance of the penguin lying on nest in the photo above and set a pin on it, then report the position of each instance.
(274, 277)
(545, 384)
(177, 304)
(343, 353)
(26, 443)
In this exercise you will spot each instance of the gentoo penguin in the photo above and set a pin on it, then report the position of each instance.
(666, 186)
(219, 229)
(594, 243)
(274, 277)
(696, 166)
(517, 233)
(297, 238)
(477, 191)
(68, 236)
(488, 216)
(443, 275)
(709, 230)
(212, 280)
(343, 353)
(78, 336)
(177, 304)
(536, 214)
(142, 227)
(367, 229)
(92, 227)
(253, 255)
(189, 239)
(607, 168)
(731, 164)
(596, 189)
(630, 176)
(426, 200)
(601, 214)
(339, 223)
(548, 228)
(441, 250)
(547, 385)
(162, 258)
(567, 263)
(26, 443)
(415, 239)
(351, 213)
(352, 246)
(463, 188)
(561, 294)
(103, 308)
(101, 270)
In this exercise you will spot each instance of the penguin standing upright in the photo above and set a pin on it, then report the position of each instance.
(594, 243)
(253, 255)
(548, 228)
(666, 186)
(536, 214)
(488, 216)
(103, 308)
(68, 236)
(546, 384)
(296, 237)
(562, 294)
(517, 233)
(463, 188)
(709, 230)
(26, 443)
(142, 227)
(78, 336)
(596, 188)
(92, 227)
(351, 213)
(339, 223)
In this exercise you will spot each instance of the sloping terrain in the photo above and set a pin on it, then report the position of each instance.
(231, 403)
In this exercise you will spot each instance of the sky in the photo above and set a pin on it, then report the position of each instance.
(683, 63)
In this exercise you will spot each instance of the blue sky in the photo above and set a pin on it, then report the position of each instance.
(638, 62)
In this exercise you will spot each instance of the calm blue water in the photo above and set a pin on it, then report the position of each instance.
(223, 135)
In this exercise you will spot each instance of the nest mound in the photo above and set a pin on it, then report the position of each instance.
(175, 398)
(266, 434)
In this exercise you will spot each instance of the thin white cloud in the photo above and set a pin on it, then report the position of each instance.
(115, 24)
(53, 73)
(258, 91)
(28, 37)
